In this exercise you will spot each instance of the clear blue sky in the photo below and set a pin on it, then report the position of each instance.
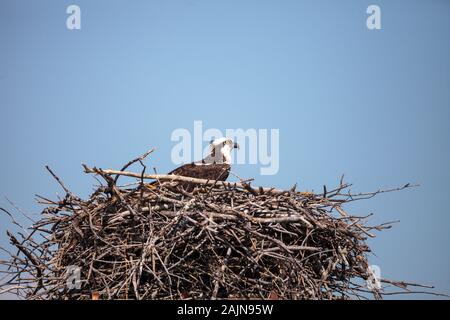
(374, 105)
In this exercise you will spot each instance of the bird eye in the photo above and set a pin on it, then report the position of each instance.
(224, 143)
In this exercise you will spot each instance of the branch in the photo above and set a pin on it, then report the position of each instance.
(170, 177)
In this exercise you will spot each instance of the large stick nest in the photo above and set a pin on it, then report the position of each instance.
(220, 240)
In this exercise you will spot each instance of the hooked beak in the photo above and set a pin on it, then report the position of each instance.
(236, 145)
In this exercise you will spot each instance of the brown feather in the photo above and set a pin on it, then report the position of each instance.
(204, 171)
(211, 172)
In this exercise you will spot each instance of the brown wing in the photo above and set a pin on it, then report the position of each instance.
(210, 172)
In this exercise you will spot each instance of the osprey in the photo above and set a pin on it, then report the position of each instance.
(216, 166)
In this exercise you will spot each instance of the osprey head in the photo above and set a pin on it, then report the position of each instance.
(221, 150)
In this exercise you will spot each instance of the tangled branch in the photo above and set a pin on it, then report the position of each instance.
(223, 240)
